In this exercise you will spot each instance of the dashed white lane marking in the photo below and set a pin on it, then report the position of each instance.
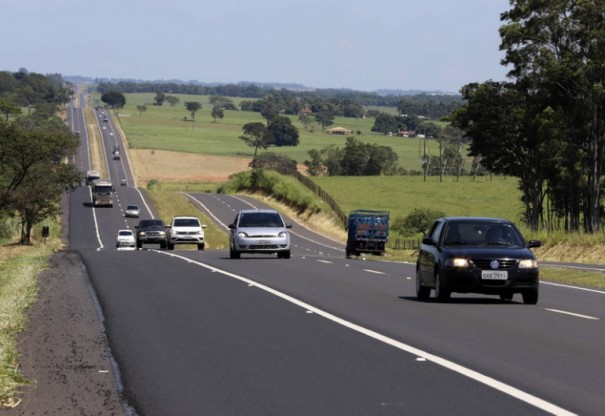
(373, 271)
(577, 315)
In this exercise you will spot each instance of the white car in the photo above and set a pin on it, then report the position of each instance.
(186, 230)
(125, 239)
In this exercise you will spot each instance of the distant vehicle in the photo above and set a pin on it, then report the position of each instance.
(116, 147)
(105, 119)
(123, 182)
(125, 239)
(116, 155)
(132, 211)
(477, 255)
(92, 175)
(102, 193)
(186, 230)
(367, 232)
(259, 231)
(152, 231)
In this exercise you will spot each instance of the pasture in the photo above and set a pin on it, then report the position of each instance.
(172, 128)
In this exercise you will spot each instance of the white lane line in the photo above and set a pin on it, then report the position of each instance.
(373, 271)
(577, 315)
(324, 261)
(450, 365)
(196, 201)
(94, 217)
(602, 292)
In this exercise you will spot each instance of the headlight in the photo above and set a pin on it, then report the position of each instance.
(456, 262)
(528, 264)
(163, 234)
(282, 234)
(241, 234)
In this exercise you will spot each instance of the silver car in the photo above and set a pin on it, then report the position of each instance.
(259, 231)
(132, 211)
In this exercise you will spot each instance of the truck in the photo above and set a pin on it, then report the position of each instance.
(102, 193)
(92, 175)
(367, 232)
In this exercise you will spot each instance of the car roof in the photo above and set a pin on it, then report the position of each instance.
(250, 211)
(477, 219)
(132, 206)
(125, 231)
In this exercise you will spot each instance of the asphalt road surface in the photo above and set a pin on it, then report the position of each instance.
(195, 332)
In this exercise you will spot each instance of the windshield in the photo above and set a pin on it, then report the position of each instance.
(186, 222)
(103, 189)
(482, 233)
(261, 219)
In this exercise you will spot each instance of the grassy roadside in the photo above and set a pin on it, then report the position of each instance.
(19, 270)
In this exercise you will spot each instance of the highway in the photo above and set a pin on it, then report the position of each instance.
(194, 332)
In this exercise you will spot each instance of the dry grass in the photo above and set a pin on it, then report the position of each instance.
(167, 166)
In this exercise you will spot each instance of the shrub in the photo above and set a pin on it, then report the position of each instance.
(417, 222)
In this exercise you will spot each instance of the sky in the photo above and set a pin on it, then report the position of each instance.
(365, 45)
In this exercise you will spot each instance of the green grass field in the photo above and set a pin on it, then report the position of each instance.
(164, 127)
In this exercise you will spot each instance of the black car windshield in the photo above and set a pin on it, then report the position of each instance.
(482, 233)
(152, 223)
(260, 219)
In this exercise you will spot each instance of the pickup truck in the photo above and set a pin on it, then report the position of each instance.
(186, 230)
(151, 231)
(367, 232)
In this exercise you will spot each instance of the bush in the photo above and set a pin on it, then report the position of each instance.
(417, 222)
(282, 188)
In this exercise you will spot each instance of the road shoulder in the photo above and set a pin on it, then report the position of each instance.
(64, 351)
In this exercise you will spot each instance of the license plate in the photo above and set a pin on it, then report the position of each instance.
(494, 275)
(263, 242)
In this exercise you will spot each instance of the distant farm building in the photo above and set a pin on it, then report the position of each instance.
(339, 130)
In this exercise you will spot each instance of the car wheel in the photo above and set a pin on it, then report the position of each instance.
(201, 246)
(234, 254)
(170, 246)
(163, 245)
(422, 292)
(530, 297)
(441, 293)
(139, 244)
(506, 296)
(285, 254)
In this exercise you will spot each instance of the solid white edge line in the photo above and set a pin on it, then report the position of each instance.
(577, 315)
(542, 282)
(474, 375)
(94, 217)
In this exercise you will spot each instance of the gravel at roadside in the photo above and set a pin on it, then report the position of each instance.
(64, 350)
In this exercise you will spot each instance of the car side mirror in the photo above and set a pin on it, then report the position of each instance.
(534, 243)
(288, 225)
(203, 225)
(231, 226)
(428, 241)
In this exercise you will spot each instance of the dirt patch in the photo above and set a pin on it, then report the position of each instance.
(64, 351)
(169, 166)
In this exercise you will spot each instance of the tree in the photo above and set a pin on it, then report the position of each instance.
(172, 100)
(142, 109)
(114, 99)
(315, 166)
(217, 112)
(8, 107)
(193, 107)
(324, 119)
(283, 132)
(549, 122)
(256, 135)
(159, 98)
(38, 197)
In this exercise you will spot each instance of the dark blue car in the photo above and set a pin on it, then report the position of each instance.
(477, 255)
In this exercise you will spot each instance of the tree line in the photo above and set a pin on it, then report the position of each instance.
(546, 126)
(34, 146)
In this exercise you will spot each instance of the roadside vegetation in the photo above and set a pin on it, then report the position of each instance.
(20, 267)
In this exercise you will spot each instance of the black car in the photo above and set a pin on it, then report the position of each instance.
(152, 231)
(476, 255)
